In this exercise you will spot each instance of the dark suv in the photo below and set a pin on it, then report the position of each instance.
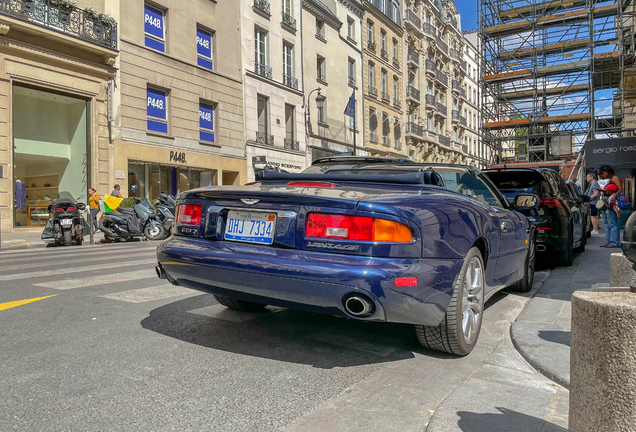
(562, 220)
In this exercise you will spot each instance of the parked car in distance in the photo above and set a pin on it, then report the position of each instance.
(365, 239)
(560, 220)
(582, 201)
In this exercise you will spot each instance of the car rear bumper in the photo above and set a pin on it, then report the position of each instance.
(313, 281)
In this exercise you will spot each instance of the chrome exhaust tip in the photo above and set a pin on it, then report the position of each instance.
(161, 274)
(359, 305)
(541, 248)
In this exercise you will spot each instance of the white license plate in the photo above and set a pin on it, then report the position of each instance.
(250, 227)
(66, 222)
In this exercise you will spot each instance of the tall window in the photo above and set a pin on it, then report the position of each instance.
(287, 7)
(204, 48)
(351, 29)
(263, 115)
(384, 83)
(386, 128)
(154, 28)
(320, 28)
(321, 108)
(371, 75)
(321, 72)
(289, 122)
(352, 71)
(260, 46)
(206, 122)
(395, 49)
(157, 110)
(369, 31)
(383, 40)
(288, 59)
(396, 88)
(373, 124)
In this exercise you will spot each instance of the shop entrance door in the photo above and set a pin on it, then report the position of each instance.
(51, 151)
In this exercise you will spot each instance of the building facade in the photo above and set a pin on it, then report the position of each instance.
(179, 98)
(383, 71)
(273, 89)
(332, 63)
(476, 153)
(54, 104)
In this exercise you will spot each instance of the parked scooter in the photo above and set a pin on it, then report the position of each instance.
(166, 206)
(66, 223)
(129, 223)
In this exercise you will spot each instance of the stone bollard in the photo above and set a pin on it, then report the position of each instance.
(603, 361)
(622, 272)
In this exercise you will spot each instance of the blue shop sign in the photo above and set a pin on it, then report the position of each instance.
(204, 48)
(206, 121)
(153, 22)
(156, 107)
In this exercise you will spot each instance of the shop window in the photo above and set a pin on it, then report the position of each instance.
(50, 151)
(157, 110)
(206, 122)
(154, 27)
(204, 48)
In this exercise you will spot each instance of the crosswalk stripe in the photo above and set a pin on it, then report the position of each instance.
(143, 295)
(51, 261)
(91, 268)
(87, 282)
(76, 249)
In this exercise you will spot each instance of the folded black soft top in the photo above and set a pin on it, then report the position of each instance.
(428, 177)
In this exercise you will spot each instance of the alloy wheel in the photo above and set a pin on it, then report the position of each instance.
(473, 299)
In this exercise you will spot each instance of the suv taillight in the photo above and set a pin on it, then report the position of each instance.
(358, 228)
(550, 202)
(188, 214)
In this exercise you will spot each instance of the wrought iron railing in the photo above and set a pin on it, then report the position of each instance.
(413, 56)
(462, 64)
(386, 141)
(264, 138)
(442, 109)
(69, 20)
(384, 54)
(352, 81)
(397, 144)
(456, 85)
(429, 29)
(414, 129)
(263, 5)
(321, 77)
(290, 144)
(289, 20)
(373, 136)
(371, 46)
(453, 22)
(443, 140)
(413, 93)
(413, 19)
(430, 100)
(455, 115)
(386, 97)
(397, 102)
(290, 81)
(441, 77)
(462, 92)
(263, 70)
(373, 91)
(396, 62)
(454, 54)
(442, 45)
(430, 66)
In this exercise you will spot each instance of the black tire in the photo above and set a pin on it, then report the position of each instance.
(448, 336)
(154, 232)
(79, 240)
(581, 247)
(525, 284)
(239, 304)
(68, 238)
(108, 239)
(566, 258)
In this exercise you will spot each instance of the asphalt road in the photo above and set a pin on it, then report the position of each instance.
(91, 340)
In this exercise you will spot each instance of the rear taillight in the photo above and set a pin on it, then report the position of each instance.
(550, 202)
(356, 228)
(251, 183)
(59, 209)
(312, 184)
(71, 209)
(189, 214)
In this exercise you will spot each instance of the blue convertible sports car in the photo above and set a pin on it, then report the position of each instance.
(368, 239)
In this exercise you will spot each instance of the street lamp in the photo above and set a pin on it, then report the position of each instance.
(308, 108)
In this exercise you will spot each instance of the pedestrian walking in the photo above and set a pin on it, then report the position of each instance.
(594, 192)
(613, 188)
(93, 203)
(116, 191)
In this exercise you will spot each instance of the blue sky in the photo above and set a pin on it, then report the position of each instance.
(468, 9)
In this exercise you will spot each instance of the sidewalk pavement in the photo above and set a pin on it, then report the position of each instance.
(541, 333)
(30, 238)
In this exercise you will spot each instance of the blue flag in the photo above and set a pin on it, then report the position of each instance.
(350, 110)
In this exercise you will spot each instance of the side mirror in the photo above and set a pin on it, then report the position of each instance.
(585, 199)
(526, 202)
(81, 197)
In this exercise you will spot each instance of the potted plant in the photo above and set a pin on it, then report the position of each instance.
(64, 9)
(100, 20)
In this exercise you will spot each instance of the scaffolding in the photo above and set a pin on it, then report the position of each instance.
(546, 66)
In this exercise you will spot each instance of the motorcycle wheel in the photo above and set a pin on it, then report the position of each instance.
(68, 239)
(154, 232)
(80, 240)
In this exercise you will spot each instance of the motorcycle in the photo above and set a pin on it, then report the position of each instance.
(130, 223)
(166, 208)
(66, 223)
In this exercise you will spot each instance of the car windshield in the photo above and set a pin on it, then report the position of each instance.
(511, 183)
